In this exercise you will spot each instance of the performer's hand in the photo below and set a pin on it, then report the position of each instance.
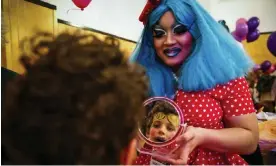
(188, 141)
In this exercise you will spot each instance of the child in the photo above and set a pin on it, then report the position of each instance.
(161, 125)
(67, 108)
(163, 122)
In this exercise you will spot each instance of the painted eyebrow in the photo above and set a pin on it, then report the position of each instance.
(159, 28)
(177, 25)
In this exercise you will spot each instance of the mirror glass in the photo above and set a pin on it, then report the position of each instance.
(162, 123)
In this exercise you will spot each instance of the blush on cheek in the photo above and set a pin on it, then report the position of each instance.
(153, 132)
(186, 39)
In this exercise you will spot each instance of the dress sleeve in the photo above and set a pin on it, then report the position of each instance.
(237, 100)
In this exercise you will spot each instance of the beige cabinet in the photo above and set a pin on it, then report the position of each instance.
(23, 18)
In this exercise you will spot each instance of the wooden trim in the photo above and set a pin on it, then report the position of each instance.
(265, 33)
(93, 30)
(42, 3)
(11, 21)
(55, 23)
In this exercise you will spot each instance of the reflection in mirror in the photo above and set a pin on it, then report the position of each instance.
(161, 122)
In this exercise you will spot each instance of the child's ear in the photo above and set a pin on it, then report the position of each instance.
(129, 154)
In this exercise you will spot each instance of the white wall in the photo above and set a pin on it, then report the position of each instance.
(117, 17)
(120, 17)
(231, 10)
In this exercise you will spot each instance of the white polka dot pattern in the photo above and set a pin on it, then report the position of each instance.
(206, 109)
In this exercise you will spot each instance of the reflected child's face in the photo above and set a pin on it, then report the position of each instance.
(163, 127)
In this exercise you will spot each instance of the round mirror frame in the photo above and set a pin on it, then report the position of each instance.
(181, 120)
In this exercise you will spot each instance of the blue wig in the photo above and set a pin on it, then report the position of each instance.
(216, 57)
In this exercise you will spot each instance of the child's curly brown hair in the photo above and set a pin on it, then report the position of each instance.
(78, 102)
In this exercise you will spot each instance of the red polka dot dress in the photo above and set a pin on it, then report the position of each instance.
(143, 159)
(206, 109)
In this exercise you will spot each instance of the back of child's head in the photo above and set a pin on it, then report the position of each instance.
(78, 102)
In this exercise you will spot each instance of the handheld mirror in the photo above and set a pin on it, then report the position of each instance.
(162, 124)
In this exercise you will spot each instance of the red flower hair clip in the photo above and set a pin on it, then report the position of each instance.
(150, 6)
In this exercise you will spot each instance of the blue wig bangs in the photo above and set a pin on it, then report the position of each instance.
(161, 79)
(216, 58)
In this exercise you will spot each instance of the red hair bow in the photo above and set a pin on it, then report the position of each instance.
(151, 5)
